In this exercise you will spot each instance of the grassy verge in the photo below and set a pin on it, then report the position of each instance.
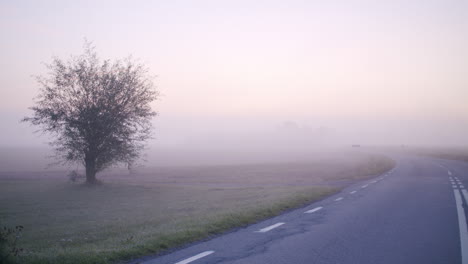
(442, 153)
(195, 230)
(163, 208)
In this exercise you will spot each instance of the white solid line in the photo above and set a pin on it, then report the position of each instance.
(449, 172)
(313, 210)
(365, 185)
(268, 228)
(465, 193)
(339, 199)
(199, 256)
(353, 192)
(462, 225)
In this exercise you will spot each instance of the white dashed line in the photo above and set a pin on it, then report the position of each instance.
(268, 228)
(365, 186)
(373, 181)
(199, 256)
(338, 199)
(449, 172)
(313, 210)
(353, 192)
(462, 225)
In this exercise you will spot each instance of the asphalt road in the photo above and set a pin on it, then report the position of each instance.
(416, 213)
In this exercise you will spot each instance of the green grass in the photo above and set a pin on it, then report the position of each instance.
(160, 209)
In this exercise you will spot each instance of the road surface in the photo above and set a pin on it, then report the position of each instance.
(416, 213)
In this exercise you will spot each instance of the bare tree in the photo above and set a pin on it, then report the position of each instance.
(98, 111)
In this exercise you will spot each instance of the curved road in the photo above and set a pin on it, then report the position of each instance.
(416, 213)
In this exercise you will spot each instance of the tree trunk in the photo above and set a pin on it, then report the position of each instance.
(90, 170)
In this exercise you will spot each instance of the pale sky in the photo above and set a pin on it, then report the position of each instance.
(382, 71)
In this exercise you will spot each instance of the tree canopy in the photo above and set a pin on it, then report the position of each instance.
(99, 111)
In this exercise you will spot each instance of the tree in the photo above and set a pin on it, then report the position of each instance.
(98, 111)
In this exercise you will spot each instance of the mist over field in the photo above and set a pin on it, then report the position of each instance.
(225, 141)
(237, 74)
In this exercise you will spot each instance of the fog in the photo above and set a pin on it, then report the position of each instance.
(255, 82)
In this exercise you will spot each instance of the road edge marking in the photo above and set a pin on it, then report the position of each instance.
(313, 210)
(198, 256)
(268, 228)
(462, 227)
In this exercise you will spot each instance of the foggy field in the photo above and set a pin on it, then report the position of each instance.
(156, 208)
(443, 153)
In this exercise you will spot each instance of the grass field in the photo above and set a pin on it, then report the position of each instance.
(162, 207)
(443, 153)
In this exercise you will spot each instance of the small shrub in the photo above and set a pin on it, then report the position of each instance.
(75, 176)
(8, 243)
